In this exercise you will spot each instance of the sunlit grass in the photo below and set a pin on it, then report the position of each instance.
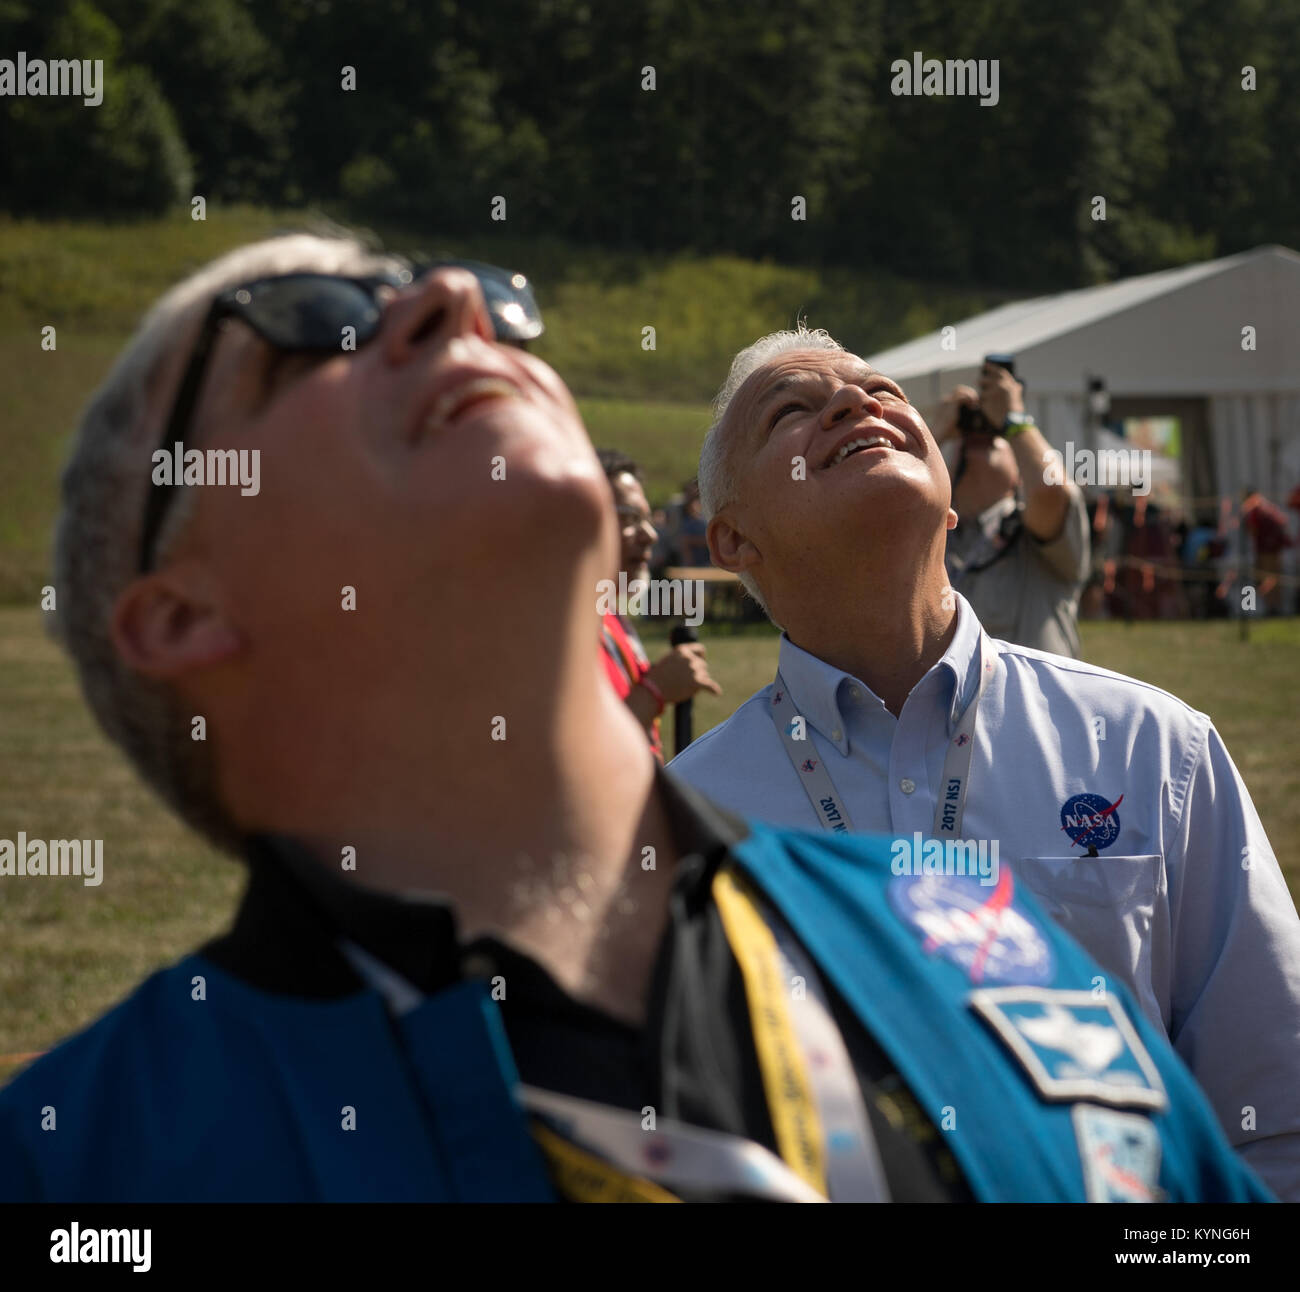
(70, 951)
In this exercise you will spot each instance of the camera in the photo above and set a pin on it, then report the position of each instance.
(971, 421)
(970, 418)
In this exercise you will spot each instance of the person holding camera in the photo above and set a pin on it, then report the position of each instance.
(1020, 552)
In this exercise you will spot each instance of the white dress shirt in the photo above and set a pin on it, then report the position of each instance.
(1185, 903)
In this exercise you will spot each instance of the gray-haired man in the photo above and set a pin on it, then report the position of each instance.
(893, 712)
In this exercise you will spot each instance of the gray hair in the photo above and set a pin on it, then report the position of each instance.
(719, 467)
(97, 535)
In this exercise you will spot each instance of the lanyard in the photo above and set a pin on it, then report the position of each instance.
(822, 794)
(598, 1153)
(572, 1132)
(624, 664)
(854, 1171)
(632, 665)
(811, 770)
(817, 1111)
(635, 644)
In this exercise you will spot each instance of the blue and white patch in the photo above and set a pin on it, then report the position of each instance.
(1073, 1045)
(979, 929)
(1120, 1153)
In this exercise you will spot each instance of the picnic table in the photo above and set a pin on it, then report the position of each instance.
(723, 591)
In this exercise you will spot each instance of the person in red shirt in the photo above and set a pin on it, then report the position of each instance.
(648, 689)
(1268, 530)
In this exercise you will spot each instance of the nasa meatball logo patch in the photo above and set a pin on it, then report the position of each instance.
(1090, 821)
(983, 932)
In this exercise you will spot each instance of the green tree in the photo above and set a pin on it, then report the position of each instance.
(224, 83)
(59, 156)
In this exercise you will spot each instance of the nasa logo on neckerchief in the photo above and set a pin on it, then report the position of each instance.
(984, 933)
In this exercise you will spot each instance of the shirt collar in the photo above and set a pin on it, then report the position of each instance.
(962, 660)
(818, 688)
(815, 688)
(414, 934)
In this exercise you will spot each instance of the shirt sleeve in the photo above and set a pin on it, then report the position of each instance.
(1067, 555)
(1235, 990)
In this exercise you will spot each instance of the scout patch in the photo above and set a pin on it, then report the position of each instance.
(1073, 1045)
(1120, 1153)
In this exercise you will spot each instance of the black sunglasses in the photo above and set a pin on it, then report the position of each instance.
(307, 313)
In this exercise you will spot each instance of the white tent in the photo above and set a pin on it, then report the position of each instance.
(1170, 344)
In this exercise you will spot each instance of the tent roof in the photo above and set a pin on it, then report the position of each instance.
(1174, 332)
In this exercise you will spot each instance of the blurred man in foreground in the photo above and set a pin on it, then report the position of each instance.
(488, 949)
(893, 711)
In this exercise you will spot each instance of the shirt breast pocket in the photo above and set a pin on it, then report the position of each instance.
(1108, 905)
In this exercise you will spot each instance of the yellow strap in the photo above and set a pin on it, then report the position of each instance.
(785, 1076)
(582, 1177)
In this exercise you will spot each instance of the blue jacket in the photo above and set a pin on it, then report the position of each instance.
(1046, 1080)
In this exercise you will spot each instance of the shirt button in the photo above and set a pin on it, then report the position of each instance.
(907, 785)
(837, 734)
(855, 693)
(477, 965)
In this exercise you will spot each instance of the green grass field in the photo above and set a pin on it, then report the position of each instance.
(70, 950)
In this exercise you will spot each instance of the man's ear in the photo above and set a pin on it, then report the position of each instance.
(728, 547)
(165, 625)
(952, 519)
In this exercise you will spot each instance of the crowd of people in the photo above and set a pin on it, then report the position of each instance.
(504, 954)
(1189, 561)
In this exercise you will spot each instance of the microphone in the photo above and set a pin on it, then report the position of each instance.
(683, 711)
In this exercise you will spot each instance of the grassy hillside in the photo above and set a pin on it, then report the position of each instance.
(92, 283)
